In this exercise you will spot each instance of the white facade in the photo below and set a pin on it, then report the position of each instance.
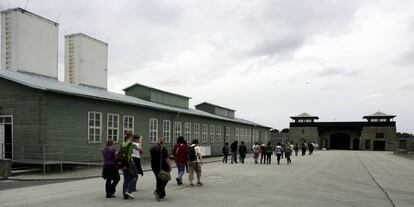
(29, 43)
(86, 61)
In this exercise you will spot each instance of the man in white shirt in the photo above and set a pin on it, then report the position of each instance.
(195, 160)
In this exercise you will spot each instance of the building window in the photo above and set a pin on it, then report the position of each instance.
(113, 126)
(128, 124)
(241, 135)
(166, 130)
(379, 135)
(218, 134)
(95, 127)
(197, 131)
(212, 133)
(204, 133)
(383, 120)
(177, 129)
(227, 134)
(153, 130)
(187, 131)
(237, 135)
(249, 135)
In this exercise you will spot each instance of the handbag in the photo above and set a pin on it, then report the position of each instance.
(163, 175)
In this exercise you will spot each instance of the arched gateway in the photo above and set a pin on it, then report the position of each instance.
(378, 132)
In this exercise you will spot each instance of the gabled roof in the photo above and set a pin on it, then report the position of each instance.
(379, 114)
(305, 116)
(53, 85)
(207, 103)
(156, 89)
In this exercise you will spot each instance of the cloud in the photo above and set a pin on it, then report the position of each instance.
(407, 58)
(406, 85)
(336, 71)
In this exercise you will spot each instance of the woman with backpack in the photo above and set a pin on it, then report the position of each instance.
(109, 171)
(127, 165)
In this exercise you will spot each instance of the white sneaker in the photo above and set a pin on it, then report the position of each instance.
(130, 195)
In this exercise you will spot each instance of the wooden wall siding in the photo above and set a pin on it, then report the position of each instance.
(61, 121)
(29, 124)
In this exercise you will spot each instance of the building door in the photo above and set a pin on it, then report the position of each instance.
(340, 141)
(355, 144)
(379, 145)
(6, 137)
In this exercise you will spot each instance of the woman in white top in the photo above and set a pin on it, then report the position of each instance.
(136, 157)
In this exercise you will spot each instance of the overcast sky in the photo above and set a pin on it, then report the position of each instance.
(268, 60)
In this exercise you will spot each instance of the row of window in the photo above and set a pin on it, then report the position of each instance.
(207, 133)
(95, 126)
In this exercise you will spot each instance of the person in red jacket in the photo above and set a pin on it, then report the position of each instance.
(180, 154)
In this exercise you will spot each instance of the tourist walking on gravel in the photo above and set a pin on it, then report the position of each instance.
(225, 151)
(296, 148)
(109, 171)
(288, 152)
(129, 171)
(136, 157)
(233, 148)
(195, 161)
(160, 160)
(278, 152)
(242, 151)
(269, 152)
(262, 153)
(180, 154)
(256, 152)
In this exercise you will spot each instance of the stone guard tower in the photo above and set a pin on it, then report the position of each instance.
(377, 133)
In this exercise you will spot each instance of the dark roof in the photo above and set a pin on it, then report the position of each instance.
(30, 13)
(87, 36)
(214, 106)
(379, 114)
(156, 89)
(53, 85)
(305, 116)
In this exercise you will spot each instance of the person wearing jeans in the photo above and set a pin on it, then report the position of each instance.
(130, 174)
(180, 155)
(278, 151)
(233, 148)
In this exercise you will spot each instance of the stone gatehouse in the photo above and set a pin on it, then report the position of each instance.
(377, 132)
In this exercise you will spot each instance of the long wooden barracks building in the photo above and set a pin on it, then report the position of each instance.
(41, 111)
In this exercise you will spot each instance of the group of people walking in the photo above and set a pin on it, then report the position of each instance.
(264, 151)
(128, 159)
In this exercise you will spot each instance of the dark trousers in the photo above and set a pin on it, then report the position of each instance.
(268, 157)
(263, 158)
(303, 152)
(112, 179)
(160, 186)
(287, 154)
(233, 157)
(296, 152)
(225, 157)
(278, 158)
(242, 156)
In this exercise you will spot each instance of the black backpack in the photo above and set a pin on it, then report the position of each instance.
(191, 154)
(121, 160)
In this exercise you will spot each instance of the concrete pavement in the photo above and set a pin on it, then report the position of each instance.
(327, 178)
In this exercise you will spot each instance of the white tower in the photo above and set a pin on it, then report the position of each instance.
(29, 43)
(86, 61)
